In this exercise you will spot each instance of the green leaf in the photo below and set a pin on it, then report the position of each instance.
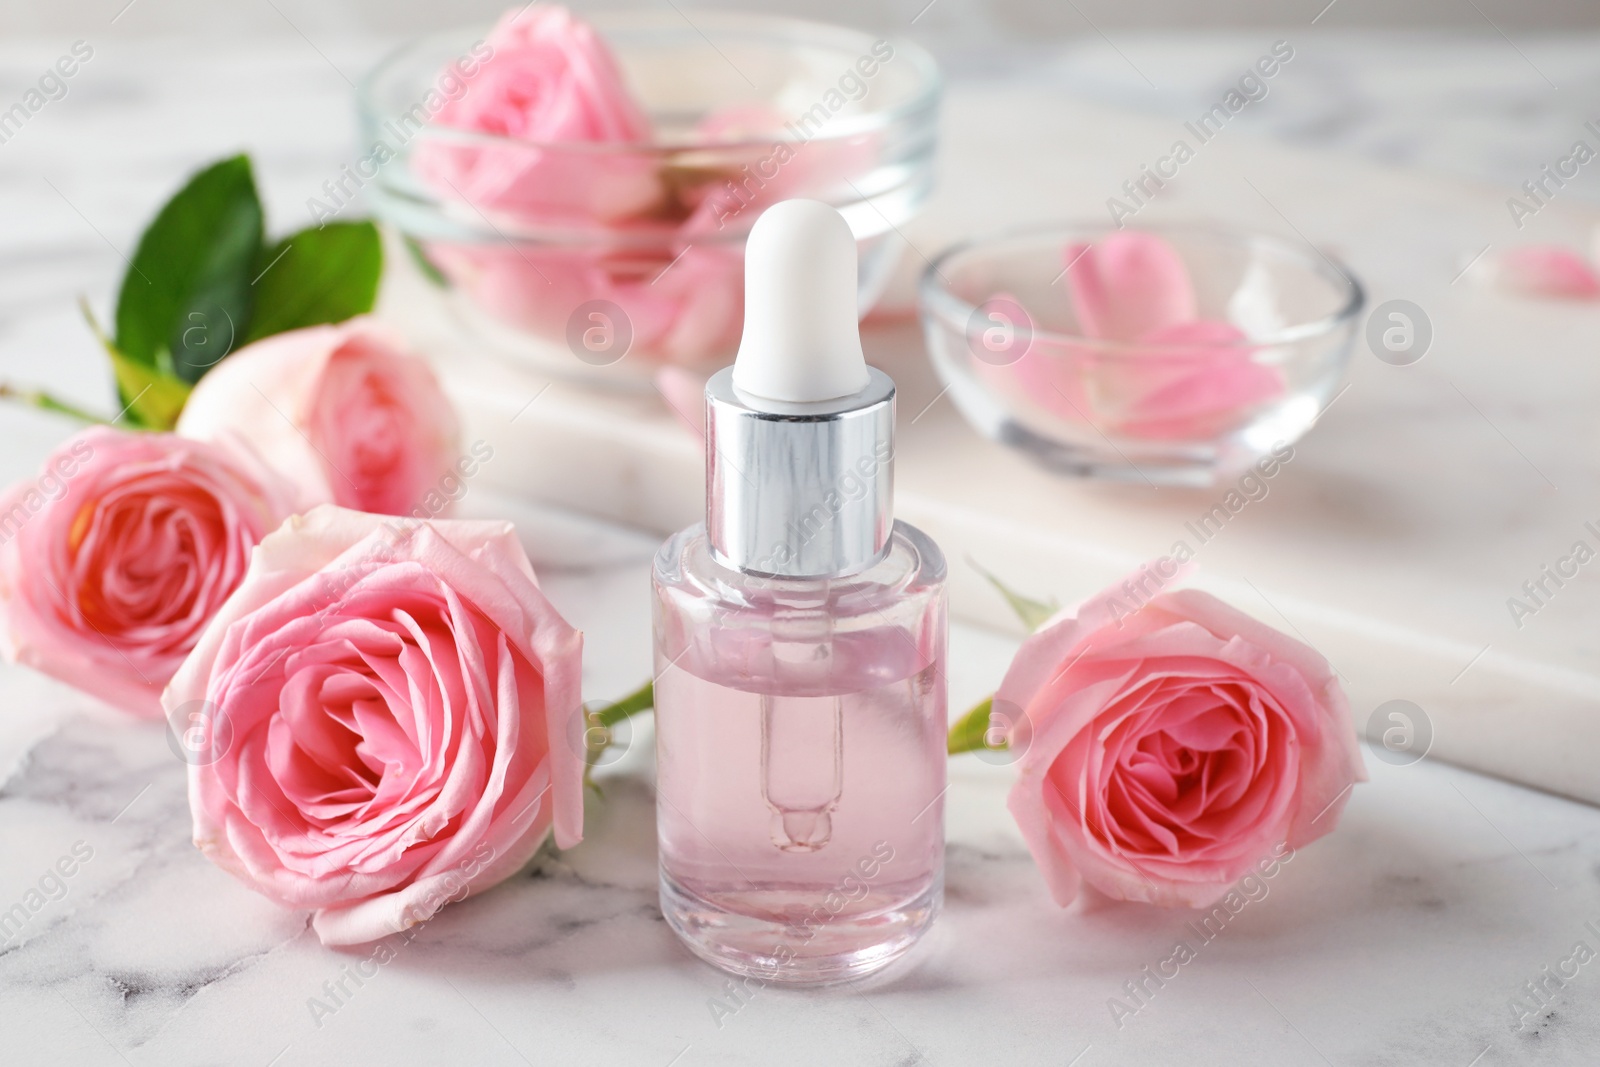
(1033, 613)
(152, 396)
(187, 294)
(316, 276)
(971, 730)
(419, 256)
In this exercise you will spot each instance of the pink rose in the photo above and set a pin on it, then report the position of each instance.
(550, 83)
(751, 161)
(113, 560)
(391, 708)
(346, 412)
(1167, 374)
(683, 302)
(1173, 745)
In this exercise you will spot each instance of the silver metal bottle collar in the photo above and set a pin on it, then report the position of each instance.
(799, 490)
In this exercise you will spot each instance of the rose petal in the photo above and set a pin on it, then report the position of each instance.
(1128, 285)
(1548, 271)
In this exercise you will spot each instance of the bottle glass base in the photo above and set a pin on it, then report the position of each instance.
(814, 947)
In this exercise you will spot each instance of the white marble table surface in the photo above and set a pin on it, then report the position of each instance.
(1401, 939)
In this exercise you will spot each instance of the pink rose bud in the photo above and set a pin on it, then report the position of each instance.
(346, 412)
(116, 556)
(388, 711)
(1167, 749)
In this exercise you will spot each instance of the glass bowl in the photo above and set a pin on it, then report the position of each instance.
(606, 261)
(1275, 323)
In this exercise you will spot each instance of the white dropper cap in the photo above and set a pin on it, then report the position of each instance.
(800, 431)
(802, 338)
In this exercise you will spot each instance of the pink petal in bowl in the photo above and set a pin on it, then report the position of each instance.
(1128, 285)
(1200, 386)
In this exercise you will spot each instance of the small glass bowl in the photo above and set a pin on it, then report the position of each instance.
(1008, 346)
(621, 258)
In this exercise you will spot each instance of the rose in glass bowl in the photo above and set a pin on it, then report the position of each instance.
(581, 193)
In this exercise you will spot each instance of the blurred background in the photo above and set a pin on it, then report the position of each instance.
(985, 19)
(1477, 88)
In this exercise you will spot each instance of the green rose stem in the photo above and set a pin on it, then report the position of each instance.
(641, 699)
(598, 722)
(37, 398)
